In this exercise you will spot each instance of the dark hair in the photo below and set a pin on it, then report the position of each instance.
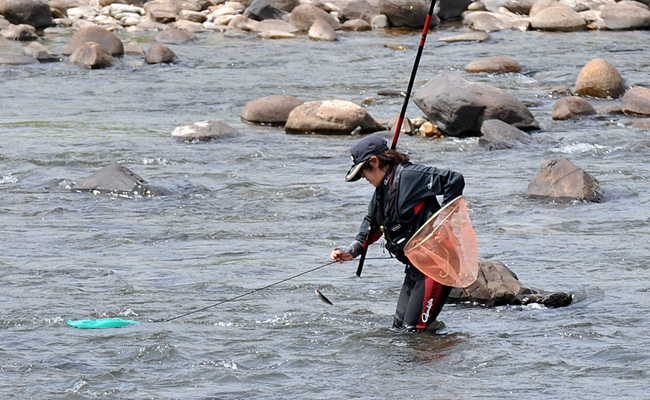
(389, 157)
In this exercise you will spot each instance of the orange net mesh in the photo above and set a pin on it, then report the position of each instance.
(445, 248)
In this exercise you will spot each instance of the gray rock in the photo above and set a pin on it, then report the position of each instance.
(459, 107)
(22, 32)
(40, 52)
(405, 13)
(174, 36)
(115, 180)
(357, 9)
(451, 9)
(31, 12)
(204, 131)
(499, 135)
(260, 10)
(272, 110)
(625, 16)
(108, 40)
(560, 180)
(497, 285)
(321, 30)
(16, 59)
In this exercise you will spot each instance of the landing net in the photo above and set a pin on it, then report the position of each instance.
(445, 247)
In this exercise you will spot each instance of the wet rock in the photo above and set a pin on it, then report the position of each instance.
(626, 16)
(498, 135)
(31, 12)
(22, 32)
(467, 37)
(642, 125)
(321, 30)
(561, 180)
(40, 52)
(495, 65)
(357, 9)
(272, 110)
(356, 25)
(91, 55)
(558, 18)
(407, 127)
(521, 7)
(261, 10)
(204, 131)
(192, 16)
(599, 78)
(486, 22)
(274, 25)
(285, 5)
(160, 54)
(636, 101)
(331, 117)
(572, 107)
(497, 285)
(174, 36)
(450, 9)
(134, 48)
(540, 5)
(115, 180)
(458, 107)
(16, 59)
(275, 35)
(405, 13)
(107, 40)
(243, 23)
(303, 16)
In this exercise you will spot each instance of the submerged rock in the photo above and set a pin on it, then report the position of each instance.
(117, 180)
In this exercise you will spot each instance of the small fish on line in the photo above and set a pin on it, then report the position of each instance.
(322, 297)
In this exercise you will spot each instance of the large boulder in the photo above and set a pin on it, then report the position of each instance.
(458, 107)
(36, 13)
(116, 180)
(331, 117)
(497, 285)
(321, 30)
(405, 13)
(108, 40)
(273, 110)
(636, 101)
(626, 16)
(357, 9)
(599, 78)
(560, 180)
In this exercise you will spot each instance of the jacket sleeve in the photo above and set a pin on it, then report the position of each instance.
(363, 229)
(420, 183)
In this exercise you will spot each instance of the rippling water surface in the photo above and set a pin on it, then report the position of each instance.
(263, 206)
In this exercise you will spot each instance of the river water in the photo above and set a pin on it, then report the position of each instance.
(263, 206)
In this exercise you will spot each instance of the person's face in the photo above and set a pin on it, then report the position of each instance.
(374, 174)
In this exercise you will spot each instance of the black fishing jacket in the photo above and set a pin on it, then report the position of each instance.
(404, 201)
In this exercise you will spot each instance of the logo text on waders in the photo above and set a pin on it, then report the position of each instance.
(427, 311)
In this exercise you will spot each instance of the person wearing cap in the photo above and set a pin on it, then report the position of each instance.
(404, 199)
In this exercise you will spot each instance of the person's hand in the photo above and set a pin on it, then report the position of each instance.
(337, 255)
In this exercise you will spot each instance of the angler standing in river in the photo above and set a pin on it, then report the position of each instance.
(404, 199)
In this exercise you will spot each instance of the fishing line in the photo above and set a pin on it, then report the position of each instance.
(244, 294)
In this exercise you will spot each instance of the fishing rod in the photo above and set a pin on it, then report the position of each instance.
(402, 114)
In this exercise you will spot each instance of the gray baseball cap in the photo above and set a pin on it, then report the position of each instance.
(361, 152)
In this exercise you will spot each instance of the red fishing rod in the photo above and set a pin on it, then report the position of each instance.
(402, 114)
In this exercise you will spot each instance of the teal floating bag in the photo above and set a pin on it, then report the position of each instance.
(101, 323)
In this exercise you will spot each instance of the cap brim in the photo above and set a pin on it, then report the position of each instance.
(354, 174)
